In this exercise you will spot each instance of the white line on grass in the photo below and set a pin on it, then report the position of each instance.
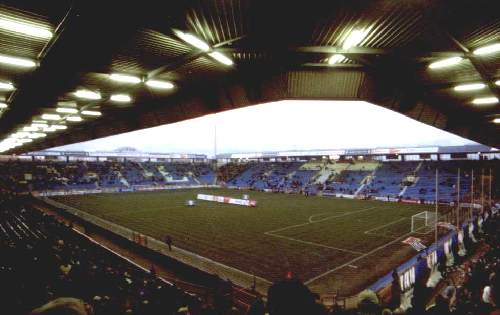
(315, 215)
(320, 220)
(312, 243)
(356, 259)
(381, 226)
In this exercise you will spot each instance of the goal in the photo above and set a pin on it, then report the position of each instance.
(423, 222)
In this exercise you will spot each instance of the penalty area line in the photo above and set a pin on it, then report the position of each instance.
(381, 226)
(313, 244)
(320, 220)
(356, 259)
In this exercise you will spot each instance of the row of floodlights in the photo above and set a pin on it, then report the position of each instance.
(476, 87)
(49, 123)
(485, 50)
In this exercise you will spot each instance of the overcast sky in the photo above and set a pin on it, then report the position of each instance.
(279, 126)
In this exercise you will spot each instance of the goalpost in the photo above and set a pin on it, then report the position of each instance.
(423, 222)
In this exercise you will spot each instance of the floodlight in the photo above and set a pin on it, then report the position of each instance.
(485, 50)
(121, 98)
(485, 100)
(74, 118)
(38, 125)
(29, 128)
(354, 38)
(59, 127)
(336, 59)
(15, 61)
(51, 116)
(6, 86)
(25, 140)
(91, 113)
(124, 78)
(469, 87)
(20, 134)
(220, 57)
(445, 62)
(67, 110)
(36, 135)
(49, 129)
(192, 40)
(25, 28)
(496, 120)
(160, 84)
(3, 105)
(497, 82)
(86, 94)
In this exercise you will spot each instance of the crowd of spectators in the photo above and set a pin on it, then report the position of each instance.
(44, 259)
(27, 176)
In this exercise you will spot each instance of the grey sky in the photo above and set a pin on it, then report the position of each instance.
(283, 125)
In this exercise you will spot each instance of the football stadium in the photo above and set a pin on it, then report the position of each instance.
(245, 157)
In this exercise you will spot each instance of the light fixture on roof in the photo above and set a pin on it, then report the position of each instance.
(74, 118)
(20, 134)
(121, 98)
(86, 94)
(486, 50)
(485, 100)
(159, 84)
(496, 121)
(469, 87)
(6, 86)
(443, 63)
(59, 127)
(66, 104)
(91, 113)
(220, 57)
(49, 129)
(124, 78)
(336, 58)
(36, 135)
(15, 61)
(354, 38)
(25, 140)
(192, 40)
(29, 128)
(51, 116)
(38, 125)
(39, 121)
(25, 28)
(3, 105)
(67, 110)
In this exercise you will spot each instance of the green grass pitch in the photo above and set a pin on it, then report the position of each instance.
(285, 232)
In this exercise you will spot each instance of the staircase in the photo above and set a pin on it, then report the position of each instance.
(323, 176)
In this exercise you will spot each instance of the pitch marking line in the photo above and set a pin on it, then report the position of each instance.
(357, 258)
(316, 215)
(381, 226)
(320, 220)
(312, 243)
(310, 221)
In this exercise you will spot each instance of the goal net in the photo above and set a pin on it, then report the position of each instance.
(423, 222)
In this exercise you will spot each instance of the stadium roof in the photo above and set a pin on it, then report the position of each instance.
(175, 60)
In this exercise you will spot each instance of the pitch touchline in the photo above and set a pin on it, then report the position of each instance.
(312, 243)
(321, 220)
